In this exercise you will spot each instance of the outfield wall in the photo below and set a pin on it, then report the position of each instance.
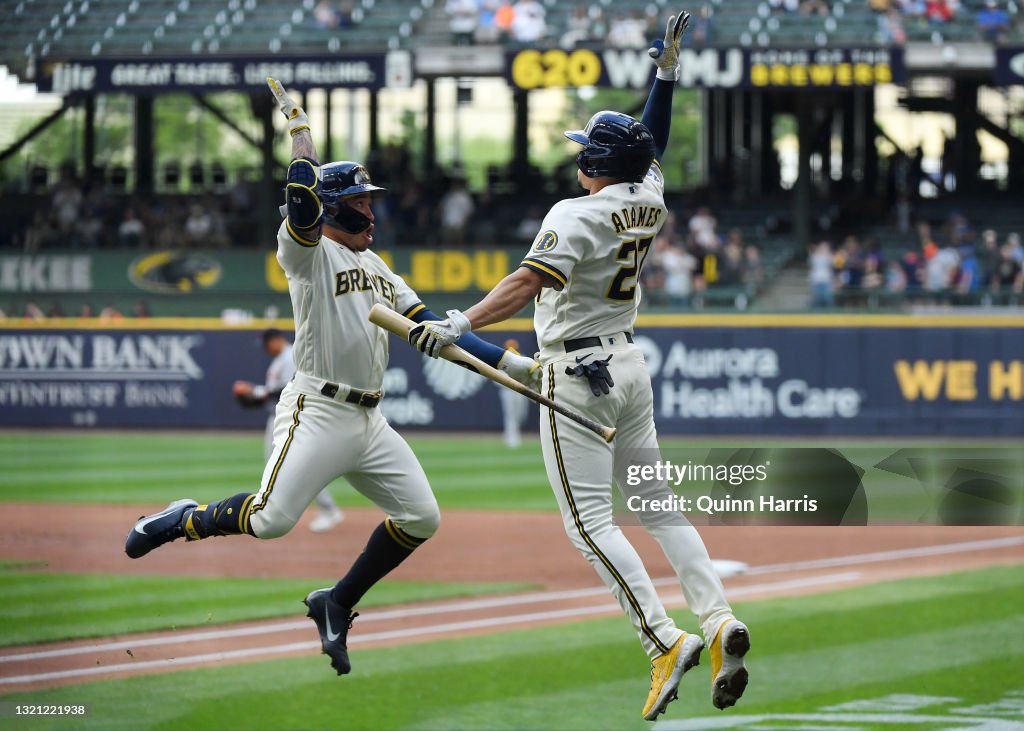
(712, 374)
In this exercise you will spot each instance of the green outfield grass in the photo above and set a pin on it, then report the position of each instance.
(951, 642)
(155, 468)
(465, 472)
(100, 605)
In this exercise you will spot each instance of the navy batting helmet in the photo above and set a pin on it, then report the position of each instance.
(342, 180)
(614, 145)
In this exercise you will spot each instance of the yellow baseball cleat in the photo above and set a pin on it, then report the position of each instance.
(668, 670)
(728, 674)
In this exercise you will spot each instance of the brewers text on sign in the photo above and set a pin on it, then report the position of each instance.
(51, 273)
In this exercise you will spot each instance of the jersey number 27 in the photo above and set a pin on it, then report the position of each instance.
(634, 253)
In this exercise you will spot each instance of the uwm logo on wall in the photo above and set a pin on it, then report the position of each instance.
(724, 68)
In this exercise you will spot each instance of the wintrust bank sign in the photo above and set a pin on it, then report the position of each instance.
(118, 378)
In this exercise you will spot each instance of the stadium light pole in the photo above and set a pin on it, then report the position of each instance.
(144, 133)
(89, 137)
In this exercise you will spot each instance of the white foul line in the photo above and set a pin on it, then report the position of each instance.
(437, 629)
(519, 599)
(894, 555)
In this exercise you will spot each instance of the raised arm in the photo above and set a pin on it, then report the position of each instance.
(298, 122)
(302, 199)
(657, 115)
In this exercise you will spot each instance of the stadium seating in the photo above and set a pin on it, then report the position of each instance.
(70, 28)
(55, 28)
(751, 23)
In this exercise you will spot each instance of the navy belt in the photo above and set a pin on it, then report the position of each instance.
(581, 343)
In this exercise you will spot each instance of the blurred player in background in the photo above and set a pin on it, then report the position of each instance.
(583, 273)
(250, 395)
(514, 408)
(328, 424)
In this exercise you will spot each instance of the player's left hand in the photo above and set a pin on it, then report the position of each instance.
(241, 388)
(525, 370)
(666, 53)
(430, 337)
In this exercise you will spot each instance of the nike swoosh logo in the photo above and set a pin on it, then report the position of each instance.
(140, 531)
(331, 635)
(581, 358)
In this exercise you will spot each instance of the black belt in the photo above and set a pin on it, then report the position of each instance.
(581, 343)
(366, 399)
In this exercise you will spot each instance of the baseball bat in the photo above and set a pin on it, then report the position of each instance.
(398, 325)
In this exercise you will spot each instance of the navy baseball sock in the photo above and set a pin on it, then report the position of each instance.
(226, 517)
(388, 546)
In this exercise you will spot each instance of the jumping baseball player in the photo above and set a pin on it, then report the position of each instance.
(327, 423)
(583, 272)
(250, 395)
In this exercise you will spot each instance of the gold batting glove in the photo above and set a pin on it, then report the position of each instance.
(666, 53)
(297, 119)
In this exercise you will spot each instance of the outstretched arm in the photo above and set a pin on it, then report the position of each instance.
(657, 115)
(507, 298)
(302, 199)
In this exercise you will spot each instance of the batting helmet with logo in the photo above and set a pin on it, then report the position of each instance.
(342, 180)
(614, 145)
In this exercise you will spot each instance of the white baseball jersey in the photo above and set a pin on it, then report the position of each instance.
(594, 247)
(332, 290)
(319, 437)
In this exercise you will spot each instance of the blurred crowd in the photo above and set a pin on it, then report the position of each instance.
(526, 21)
(691, 257)
(418, 209)
(80, 216)
(330, 15)
(804, 7)
(44, 311)
(992, 21)
(958, 266)
(493, 21)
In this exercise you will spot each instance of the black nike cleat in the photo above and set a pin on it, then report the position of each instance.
(333, 621)
(155, 530)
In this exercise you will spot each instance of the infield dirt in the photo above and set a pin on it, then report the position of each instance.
(470, 546)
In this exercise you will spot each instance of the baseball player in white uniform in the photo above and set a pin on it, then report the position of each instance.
(514, 409)
(250, 395)
(327, 423)
(583, 272)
